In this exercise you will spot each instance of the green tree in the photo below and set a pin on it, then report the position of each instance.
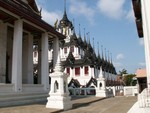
(123, 71)
(129, 80)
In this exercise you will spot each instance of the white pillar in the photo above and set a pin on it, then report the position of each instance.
(73, 72)
(89, 68)
(83, 70)
(146, 30)
(92, 72)
(39, 62)
(44, 62)
(3, 47)
(61, 53)
(27, 63)
(30, 59)
(80, 71)
(17, 56)
(77, 52)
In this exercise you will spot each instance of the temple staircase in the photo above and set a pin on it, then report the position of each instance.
(13, 99)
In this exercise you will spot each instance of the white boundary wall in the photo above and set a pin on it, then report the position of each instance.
(130, 90)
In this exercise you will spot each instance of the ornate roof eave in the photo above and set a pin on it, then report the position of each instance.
(70, 60)
(80, 42)
(74, 40)
(92, 80)
(75, 82)
(32, 3)
(138, 16)
(27, 14)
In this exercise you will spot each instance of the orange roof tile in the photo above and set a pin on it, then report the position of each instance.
(141, 73)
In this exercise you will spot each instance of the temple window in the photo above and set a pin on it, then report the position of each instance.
(86, 70)
(65, 50)
(72, 49)
(77, 71)
(68, 71)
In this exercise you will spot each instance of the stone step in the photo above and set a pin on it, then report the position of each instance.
(14, 99)
(3, 95)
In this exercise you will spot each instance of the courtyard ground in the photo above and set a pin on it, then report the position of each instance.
(80, 105)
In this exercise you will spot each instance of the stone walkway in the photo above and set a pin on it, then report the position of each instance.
(81, 105)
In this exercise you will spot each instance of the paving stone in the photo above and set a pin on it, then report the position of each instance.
(81, 105)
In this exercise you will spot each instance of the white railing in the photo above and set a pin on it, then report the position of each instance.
(144, 98)
(111, 91)
(82, 91)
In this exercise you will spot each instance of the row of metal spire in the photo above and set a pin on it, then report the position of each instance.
(87, 39)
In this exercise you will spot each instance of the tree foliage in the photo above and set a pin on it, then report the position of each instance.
(129, 81)
(123, 71)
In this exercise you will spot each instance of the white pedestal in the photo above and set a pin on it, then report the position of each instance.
(59, 95)
(101, 93)
(59, 101)
(101, 86)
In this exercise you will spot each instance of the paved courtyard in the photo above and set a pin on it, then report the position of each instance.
(80, 105)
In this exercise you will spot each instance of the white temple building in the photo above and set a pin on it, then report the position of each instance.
(29, 59)
(21, 28)
(78, 56)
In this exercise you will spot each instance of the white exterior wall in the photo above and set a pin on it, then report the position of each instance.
(146, 31)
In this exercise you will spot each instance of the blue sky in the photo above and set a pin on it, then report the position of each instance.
(110, 22)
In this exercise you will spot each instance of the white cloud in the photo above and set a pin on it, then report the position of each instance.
(141, 41)
(142, 64)
(120, 56)
(41, 2)
(50, 17)
(130, 14)
(112, 8)
(118, 65)
(81, 8)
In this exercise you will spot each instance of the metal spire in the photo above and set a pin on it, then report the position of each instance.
(88, 37)
(93, 44)
(98, 49)
(74, 25)
(105, 55)
(64, 6)
(111, 57)
(79, 31)
(102, 51)
(84, 35)
(108, 56)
